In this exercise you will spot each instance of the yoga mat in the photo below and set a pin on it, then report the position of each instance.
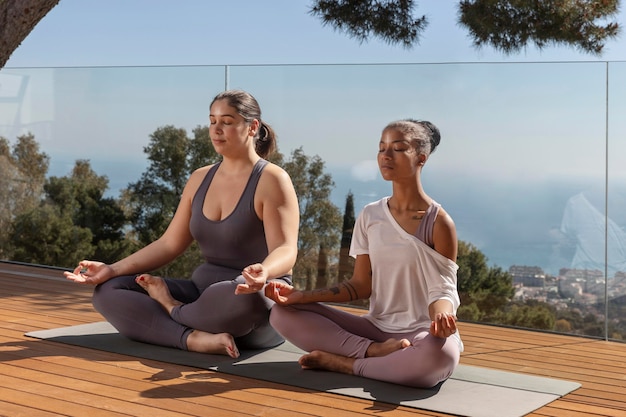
(471, 391)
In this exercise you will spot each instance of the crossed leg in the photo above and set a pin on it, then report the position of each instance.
(198, 341)
(319, 359)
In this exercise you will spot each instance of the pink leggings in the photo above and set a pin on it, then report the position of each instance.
(428, 361)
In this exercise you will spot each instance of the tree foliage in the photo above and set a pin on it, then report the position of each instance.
(71, 221)
(392, 21)
(346, 263)
(81, 197)
(23, 169)
(484, 291)
(31, 163)
(510, 25)
(320, 219)
(532, 315)
(507, 26)
(55, 221)
(46, 236)
(323, 279)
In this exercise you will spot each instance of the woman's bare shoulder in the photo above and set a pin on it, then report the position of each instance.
(444, 218)
(274, 169)
(202, 170)
(444, 235)
(196, 177)
(275, 174)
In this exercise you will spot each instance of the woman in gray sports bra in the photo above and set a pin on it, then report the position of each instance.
(243, 212)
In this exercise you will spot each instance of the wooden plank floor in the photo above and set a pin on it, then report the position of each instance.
(42, 378)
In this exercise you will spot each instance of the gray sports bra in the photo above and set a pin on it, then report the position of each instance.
(425, 229)
(237, 240)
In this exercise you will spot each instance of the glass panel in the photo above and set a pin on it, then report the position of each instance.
(104, 115)
(521, 166)
(616, 232)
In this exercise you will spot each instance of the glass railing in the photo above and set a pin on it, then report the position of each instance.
(530, 164)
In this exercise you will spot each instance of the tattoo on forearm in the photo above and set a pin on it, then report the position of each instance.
(351, 290)
(336, 290)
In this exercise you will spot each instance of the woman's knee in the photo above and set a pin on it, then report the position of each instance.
(279, 318)
(427, 372)
(102, 296)
(276, 314)
(106, 293)
(436, 360)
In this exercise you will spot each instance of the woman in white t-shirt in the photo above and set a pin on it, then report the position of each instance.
(405, 248)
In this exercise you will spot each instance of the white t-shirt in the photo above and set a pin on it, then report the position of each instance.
(407, 274)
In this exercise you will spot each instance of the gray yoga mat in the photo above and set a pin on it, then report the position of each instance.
(471, 391)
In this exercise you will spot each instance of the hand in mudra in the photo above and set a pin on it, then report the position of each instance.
(282, 293)
(255, 276)
(89, 272)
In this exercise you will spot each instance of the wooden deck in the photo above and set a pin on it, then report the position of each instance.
(42, 378)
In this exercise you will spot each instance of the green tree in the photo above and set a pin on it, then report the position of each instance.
(489, 289)
(469, 312)
(533, 315)
(507, 26)
(392, 21)
(592, 327)
(81, 196)
(12, 192)
(201, 151)
(31, 163)
(46, 236)
(346, 263)
(572, 316)
(323, 271)
(320, 219)
(73, 222)
(563, 326)
(510, 25)
(23, 169)
(25, 163)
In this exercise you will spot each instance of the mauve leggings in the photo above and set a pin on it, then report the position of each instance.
(428, 361)
(216, 309)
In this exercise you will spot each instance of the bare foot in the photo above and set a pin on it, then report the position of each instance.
(328, 361)
(198, 341)
(386, 347)
(157, 289)
(215, 343)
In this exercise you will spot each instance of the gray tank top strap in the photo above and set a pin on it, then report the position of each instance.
(425, 229)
